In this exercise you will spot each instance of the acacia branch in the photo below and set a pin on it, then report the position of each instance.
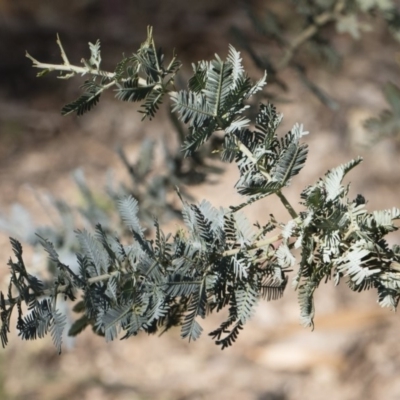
(104, 277)
(62, 288)
(74, 70)
(66, 67)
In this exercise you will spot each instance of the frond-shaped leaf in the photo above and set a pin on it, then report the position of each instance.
(272, 288)
(37, 323)
(246, 300)
(104, 239)
(230, 149)
(49, 247)
(86, 102)
(78, 326)
(384, 219)
(190, 327)
(94, 252)
(121, 67)
(57, 325)
(267, 122)
(231, 337)
(152, 103)
(239, 92)
(112, 288)
(297, 132)
(198, 81)
(256, 189)
(95, 56)
(389, 292)
(215, 217)
(236, 63)
(350, 165)
(219, 83)
(128, 210)
(157, 310)
(259, 85)
(17, 248)
(5, 320)
(149, 59)
(152, 269)
(240, 267)
(237, 124)
(244, 230)
(352, 264)
(173, 66)
(177, 286)
(193, 108)
(306, 301)
(288, 230)
(284, 256)
(197, 137)
(333, 178)
(130, 90)
(202, 224)
(291, 161)
(112, 320)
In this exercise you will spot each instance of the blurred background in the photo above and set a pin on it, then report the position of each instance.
(353, 353)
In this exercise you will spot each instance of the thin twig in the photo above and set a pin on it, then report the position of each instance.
(73, 69)
(63, 54)
(255, 245)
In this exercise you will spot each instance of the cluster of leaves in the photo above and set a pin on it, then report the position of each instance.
(307, 27)
(43, 314)
(153, 191)
(220, 260)
(214, 100)
(141, 77)
(339, 238)
(150, 285)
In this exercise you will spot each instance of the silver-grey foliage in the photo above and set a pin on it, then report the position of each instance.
(220, 260)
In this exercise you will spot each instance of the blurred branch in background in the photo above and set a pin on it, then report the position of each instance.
(312, 33)
(387, 124)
